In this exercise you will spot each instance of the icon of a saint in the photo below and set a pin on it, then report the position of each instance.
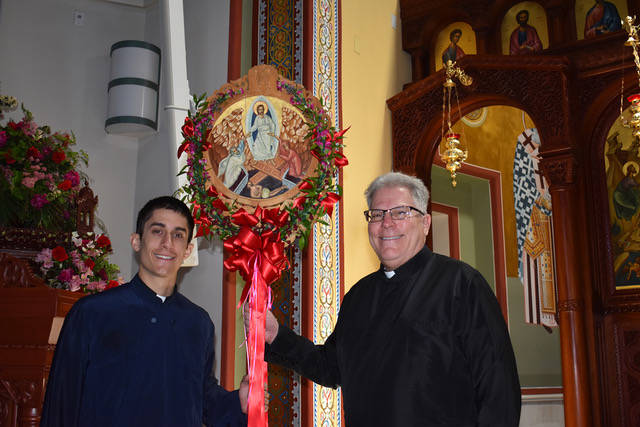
(602, 18)
(524, 39)
(453, 51)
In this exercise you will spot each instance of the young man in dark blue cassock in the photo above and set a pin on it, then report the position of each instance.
(142, 354)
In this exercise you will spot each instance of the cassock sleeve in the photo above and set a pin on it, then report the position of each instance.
(316, 362)
(488, 348)
(64, 387)
(221, 407)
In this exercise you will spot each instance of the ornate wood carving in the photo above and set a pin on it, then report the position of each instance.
(560, 171)
(15, 273)
(25, 239)
(20, 401)
(570, 305)
(27, 311)
(622, 373)
(538, 85)
(85, 209)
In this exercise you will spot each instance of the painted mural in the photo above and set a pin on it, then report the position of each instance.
(258, 148)
(534, 231)
(524, 29)
(505, 140)
(599, 17)
(453, 42)
(622, 165)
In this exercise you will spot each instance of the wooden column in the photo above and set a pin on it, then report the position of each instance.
(235, 40)
(418, 64)
(573, 300)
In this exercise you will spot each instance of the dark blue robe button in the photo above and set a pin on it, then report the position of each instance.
(154, 320)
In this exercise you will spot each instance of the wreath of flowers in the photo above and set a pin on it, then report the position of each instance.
(292, 220)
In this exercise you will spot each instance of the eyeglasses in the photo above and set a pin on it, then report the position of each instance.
(398, 213)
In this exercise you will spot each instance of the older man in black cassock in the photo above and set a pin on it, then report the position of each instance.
(419, 342)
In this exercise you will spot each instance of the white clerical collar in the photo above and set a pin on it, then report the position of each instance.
(163, 298)
(389, 274)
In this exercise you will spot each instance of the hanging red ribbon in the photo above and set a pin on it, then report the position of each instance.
(259, 302)
(260, 260)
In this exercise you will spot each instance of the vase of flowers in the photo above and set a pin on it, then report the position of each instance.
(39, 179)
(85, 267)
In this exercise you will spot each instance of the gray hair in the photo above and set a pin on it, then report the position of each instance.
(415, 186)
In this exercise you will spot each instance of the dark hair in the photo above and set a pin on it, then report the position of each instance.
(525, 11)
(163, 202)
(457, 30)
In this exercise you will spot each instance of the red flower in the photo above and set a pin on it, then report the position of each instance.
(58, 156)
(59, 254)
(13, 125)
(8, 159)
(112, 284)
(89, 263)
(187, 128)
(33, 152)
(103, 241)
(65, 185)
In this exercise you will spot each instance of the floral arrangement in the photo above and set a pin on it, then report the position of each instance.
(85, 268)
(320, 192)
(38, 176)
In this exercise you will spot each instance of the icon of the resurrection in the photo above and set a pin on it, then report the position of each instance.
(259, 153)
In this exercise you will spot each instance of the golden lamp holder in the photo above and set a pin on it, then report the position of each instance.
(453, 154)
(634, 122)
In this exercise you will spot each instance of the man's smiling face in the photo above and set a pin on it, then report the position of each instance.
(397, 241)
(163, 246)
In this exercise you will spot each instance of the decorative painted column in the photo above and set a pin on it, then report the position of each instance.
(302, 39)
(326, 404)
(573, 295)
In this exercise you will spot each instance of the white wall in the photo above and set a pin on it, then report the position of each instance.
(205, 32)
(60, 72)
(207, 46)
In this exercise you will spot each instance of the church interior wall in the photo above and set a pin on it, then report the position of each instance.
(374, 67)
(60, 72)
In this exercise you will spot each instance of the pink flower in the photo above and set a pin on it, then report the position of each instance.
(44, 257)
(39, 200)
(3, 138)
(29, 128)
(29, 181)
(75, 284)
